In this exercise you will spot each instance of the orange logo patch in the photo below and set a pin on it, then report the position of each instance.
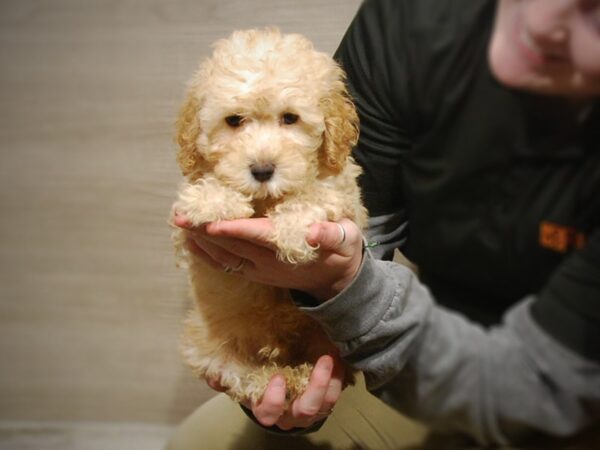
(560, 238)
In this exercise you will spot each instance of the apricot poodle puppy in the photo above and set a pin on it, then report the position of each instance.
(266, 130)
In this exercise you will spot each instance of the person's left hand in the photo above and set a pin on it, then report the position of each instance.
(244, 246)
(315, 404)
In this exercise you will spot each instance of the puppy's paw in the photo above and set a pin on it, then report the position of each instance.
(208, 201)
(290, 240)
(295, 251)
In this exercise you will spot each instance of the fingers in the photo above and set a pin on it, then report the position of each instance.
(317, 401)
(246, 234)
(228, 243)
(336, 385)
(215, 385)
(180, 220)
(328, 235)
(193, 247)
(272, 405)
(339, 236)
(217, 254)
(246, 241)
(256, 230)
(310, 403)
(321, 394)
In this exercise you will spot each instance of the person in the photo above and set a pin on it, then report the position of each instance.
(480, 144)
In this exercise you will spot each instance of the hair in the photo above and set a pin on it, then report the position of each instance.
(341, 120)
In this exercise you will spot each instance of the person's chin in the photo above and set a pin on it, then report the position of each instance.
(508, 69)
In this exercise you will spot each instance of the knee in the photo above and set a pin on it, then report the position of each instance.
(212, 426)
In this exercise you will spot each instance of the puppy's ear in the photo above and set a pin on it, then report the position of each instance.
(188, 130)
(341, 126)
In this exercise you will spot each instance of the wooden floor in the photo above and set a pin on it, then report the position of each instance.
(90, 299)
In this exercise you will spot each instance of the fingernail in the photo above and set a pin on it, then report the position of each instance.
(326, 364)
(314, 234)
(211, 227)
(278, 382)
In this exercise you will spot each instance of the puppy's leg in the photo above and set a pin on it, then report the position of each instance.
(209, 358)
(208, 200)
(242, 382)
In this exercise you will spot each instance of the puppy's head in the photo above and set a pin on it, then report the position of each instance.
(266, 114)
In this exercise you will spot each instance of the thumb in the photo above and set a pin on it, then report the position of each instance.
(340, 237)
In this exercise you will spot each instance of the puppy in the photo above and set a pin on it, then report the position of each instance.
(266, 131)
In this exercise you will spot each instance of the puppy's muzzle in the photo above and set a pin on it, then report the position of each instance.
(262, 172)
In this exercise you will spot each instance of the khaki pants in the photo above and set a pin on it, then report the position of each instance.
(359, 421)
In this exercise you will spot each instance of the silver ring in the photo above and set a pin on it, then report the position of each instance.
(229, 269)
(342, 232)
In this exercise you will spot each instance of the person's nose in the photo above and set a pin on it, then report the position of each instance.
(548, 22)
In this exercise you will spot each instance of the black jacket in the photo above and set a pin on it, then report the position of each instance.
(494, 193)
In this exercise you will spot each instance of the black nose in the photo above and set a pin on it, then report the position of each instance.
(262, 172)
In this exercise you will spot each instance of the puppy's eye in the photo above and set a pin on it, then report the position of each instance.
(289, 118)
(234, 120)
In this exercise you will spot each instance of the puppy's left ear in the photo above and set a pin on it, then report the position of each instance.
(341, 126)
(188, 131)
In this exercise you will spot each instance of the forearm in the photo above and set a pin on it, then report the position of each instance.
(436, 366)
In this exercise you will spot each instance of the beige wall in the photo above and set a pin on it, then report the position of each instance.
(90, 300)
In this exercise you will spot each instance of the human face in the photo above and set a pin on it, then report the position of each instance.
(548, 46)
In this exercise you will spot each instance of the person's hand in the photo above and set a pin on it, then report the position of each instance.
(315, 404)
(243, 246)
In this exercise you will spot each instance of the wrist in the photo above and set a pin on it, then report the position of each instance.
(330, 290)
(334, 287)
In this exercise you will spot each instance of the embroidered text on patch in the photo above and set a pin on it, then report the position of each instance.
(560, 238)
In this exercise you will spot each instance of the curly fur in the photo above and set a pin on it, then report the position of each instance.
(240, 332)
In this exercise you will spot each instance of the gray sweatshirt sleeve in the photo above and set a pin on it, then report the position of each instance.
(497, 385)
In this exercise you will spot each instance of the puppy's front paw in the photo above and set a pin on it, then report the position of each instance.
(295, 249)
(208, 201)
(290, 239)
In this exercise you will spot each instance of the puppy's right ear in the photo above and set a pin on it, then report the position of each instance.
(188, 131)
